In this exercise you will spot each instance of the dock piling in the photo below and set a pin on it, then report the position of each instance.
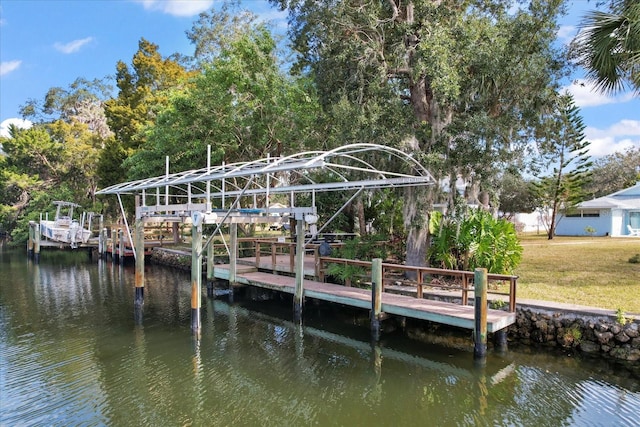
(36, 242)
(196, 276)
(210, 270)
(299, 270)
(376, 298)
(480, 305)
(139, 274)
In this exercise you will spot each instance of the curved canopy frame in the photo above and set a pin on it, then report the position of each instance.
(351, 167)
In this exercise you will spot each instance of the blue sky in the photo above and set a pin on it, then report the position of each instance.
(50, 43)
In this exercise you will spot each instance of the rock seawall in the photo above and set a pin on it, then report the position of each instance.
(596, 335)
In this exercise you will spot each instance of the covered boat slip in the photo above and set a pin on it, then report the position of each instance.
(241, 193)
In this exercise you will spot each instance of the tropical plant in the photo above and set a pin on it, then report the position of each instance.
(472, 239)
(608, 46)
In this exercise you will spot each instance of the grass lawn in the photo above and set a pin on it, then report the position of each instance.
(581, 270)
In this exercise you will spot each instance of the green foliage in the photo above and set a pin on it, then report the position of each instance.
(635, 259)
(474, 239)
(590, 230)
(364, 249)
(564, 151)
(242, 105)
(621, 316)
(607, 46)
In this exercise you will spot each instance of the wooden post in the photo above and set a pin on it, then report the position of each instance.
(299, 269)
(480, 305)
(36, 242)
(376, 297)
(139, 274)
(121, 246)
(196, 275)
(210, 269)
(105, 243)
(30, 240)
(114, 239)
(233, 254)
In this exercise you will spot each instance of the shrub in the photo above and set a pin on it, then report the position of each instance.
(474, 239)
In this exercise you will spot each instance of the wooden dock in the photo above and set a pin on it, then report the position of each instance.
(457, 315)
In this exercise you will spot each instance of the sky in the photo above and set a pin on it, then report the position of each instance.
(51, 43)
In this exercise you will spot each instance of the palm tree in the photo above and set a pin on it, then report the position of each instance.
(608, 46)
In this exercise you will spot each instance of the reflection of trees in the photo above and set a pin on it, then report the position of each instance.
(251, 368)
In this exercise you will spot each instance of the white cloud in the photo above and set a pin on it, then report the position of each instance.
(9, 66)
(566, 33)
(177, 7)
(618, 137)
(585, 95)
(21, 123)
(72, 46)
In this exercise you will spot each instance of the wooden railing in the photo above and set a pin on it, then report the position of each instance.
(425, 277)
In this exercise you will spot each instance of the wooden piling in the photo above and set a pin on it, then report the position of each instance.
(139, 274)
(299, 270)
(36, 242)
(210, 269)
(376, 297)
(196, 276)
(114, 237)
(480, 305)
(121, 246)
(30, 240)
(233, 255)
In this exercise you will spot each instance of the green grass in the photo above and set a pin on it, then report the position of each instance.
(581, 270)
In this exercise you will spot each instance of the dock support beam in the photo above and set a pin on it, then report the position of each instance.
(30, 240)
(196, 276)
(480, 305)
(299, 270)
(210, 270)
(139, 275)
(376, 298)
(121, 246)
(233, 256)
(36, 242)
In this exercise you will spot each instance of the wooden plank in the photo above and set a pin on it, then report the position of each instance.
(400, 305)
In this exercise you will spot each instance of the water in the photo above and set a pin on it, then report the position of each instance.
(72, 354)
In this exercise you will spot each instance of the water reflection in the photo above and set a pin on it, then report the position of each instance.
(74, 354)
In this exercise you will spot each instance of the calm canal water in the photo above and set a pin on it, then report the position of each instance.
(71, 353)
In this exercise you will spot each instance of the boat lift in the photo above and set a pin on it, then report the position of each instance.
(239, 193)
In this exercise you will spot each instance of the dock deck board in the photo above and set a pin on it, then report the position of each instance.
(400, 305)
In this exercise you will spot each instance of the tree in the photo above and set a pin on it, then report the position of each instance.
(458, 84)
(608, 46)
(614, 172)
(143, 90)
(564, 152)
(242, 104)
(516, 195)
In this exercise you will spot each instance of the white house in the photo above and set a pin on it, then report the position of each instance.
(617, 214)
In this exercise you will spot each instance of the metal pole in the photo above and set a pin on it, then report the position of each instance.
(480, 305)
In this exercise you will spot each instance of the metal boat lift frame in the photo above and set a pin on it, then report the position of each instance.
(203, 195)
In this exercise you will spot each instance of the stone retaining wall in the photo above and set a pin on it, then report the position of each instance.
(596, 335)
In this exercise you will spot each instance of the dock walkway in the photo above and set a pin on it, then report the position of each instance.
(418, 308)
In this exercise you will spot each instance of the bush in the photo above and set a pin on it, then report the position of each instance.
(474, 239)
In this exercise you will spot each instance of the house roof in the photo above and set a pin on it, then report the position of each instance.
(629, 198)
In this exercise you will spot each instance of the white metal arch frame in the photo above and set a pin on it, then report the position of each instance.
(189, 194)
(356, 166)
